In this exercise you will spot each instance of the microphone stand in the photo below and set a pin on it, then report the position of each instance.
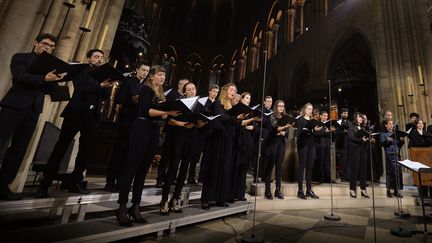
(372, 182)
(253, 237)
(398, 231)
(331, 216)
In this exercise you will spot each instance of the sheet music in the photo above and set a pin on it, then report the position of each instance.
(339, 122)
(409, 130)
(167, 92)
(210, 118)
(127, 74)
(375, 133)
(415, 166)
(189, 102)
(253, 108)
(203, 100)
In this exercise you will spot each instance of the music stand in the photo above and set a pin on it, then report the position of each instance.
(420, 169)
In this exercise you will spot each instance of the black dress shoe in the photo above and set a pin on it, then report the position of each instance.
(222, 204)
(353, 194)
(268, 194)
(389, 194)
(42, 192)
(278, 194)
(192, 182)
(301, 195)
(110, 187)
(158, 184)
(242, 199)
(7, 195)
(77, 188)
(311, 194)
(205, 205)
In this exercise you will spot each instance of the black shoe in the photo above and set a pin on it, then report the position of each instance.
(42, 192)
(268, 194)
(242, 199)
(192, 182)
(222, 204)
(364, 194)
(174, 206)
(164, 208)
(377, 181)
(205, 205)
(134, 212)
(353, 194)
(122, 217)
(397, 194)
(389, 194)
(77, 188)
(301, 195)
(278, 193)
(7, 195)
(311, 194)
(110, 187)
(158, 184)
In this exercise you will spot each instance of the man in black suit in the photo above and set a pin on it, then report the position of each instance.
(127, 97)
(80, 115)
(342, 145)
(20, 109)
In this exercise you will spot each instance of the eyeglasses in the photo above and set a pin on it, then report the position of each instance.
(47, 44)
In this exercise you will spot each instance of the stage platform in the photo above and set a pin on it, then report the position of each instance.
(65, 204)
(341, 198)
(106, 229)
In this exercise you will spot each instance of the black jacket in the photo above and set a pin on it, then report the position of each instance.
(85, 98)
(27, 89)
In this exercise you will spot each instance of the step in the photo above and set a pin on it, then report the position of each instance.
(324, 202)
(324, 189)
(106, 229)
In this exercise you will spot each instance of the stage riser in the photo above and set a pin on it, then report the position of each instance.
(320, 190)
(294, 203)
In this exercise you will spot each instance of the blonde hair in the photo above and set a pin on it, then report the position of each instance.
(302, 112)
(159, 90)
(223, 97)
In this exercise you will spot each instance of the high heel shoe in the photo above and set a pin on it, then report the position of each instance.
(134, 212)
(364, 194)
(163, 208)
(174, 206)
(122, 217)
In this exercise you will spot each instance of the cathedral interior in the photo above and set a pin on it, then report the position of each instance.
(369, 56)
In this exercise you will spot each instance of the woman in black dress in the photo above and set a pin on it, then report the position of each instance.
(217, 181)
(142, 145)
(306, 151)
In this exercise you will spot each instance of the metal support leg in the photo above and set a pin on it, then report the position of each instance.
(82, 209)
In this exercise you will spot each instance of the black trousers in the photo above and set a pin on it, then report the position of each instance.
(343, 150)
(200, 146)
(306, 154)
(393, 170)
(275, 152)
(143, 144)
(324, 159)
(87, 127)
(358, 165)
(120, 154)
(181, 155)
(166, 153)
(20, 125)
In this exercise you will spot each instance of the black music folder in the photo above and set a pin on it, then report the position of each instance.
(399, 134)
(46, 63)
(238, 109)
(313, 123)
(184, 105)
(106, 72)
(286, 119)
